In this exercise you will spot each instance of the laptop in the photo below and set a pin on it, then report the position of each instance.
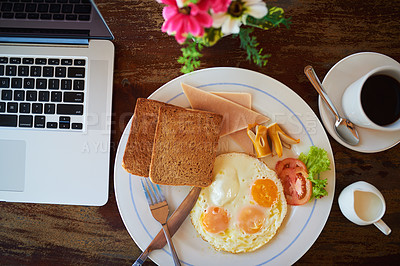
(56, 75)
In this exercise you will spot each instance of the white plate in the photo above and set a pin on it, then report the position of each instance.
(301, 226)
(339, 77)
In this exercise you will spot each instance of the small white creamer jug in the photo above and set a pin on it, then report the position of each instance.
(363, 204)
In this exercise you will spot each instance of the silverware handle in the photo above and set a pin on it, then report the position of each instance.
(142, 258)
(171, 245)
(176, 219)
(174, 222)
(310, 73)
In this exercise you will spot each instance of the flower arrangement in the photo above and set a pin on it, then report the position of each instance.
(201, 23)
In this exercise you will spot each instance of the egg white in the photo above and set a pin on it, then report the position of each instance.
(234, 174)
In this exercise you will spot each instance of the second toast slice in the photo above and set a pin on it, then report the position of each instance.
(185, 147)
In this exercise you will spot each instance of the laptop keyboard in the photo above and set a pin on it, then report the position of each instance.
(42, 92)
(46, 9)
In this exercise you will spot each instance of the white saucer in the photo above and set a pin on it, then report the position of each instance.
(339, 77)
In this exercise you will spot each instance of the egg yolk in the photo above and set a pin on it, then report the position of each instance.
(215, 220)
(264, 192)
(251, 219)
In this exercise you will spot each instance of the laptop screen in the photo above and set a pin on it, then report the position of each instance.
(52, 19)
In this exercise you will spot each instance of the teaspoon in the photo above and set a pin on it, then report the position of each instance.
(344, 128)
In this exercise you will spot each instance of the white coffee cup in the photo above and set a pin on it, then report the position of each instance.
(356, 108)
(363, 204)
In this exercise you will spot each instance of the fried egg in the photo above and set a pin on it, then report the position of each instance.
(243, 207)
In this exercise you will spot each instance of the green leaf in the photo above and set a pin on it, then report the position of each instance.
(191, 1)
(210, 37)
(274, 18)
(316, 161)
(249, 44)
(190, 58)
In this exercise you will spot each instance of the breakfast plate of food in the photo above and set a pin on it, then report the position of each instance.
(246, 212)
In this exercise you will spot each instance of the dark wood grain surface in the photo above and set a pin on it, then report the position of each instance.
(322, 33)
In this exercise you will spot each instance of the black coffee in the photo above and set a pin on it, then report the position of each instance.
(380, 99)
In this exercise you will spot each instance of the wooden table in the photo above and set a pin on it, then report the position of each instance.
(322, 33)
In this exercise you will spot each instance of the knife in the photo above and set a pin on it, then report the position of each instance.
(174, 222)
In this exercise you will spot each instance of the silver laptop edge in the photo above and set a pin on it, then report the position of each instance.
(62, 167)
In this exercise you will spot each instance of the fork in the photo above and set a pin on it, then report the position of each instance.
(159, 210)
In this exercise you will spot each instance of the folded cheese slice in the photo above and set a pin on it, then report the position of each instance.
(235, 116)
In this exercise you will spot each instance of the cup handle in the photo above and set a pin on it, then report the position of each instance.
(383, 227)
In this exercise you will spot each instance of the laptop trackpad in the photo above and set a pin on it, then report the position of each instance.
(12, 165)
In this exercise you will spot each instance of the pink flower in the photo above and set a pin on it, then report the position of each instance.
(220, 6)
(192, 18)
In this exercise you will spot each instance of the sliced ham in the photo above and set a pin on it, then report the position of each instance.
(235, 116)
(240, 137)
(242, 98)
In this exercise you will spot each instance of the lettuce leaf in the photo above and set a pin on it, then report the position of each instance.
(316, 161)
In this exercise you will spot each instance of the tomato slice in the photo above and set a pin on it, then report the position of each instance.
(297, 187)
(289, 163)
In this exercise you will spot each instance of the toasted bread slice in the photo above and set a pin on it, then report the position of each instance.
(185, 146)
(137, 155)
